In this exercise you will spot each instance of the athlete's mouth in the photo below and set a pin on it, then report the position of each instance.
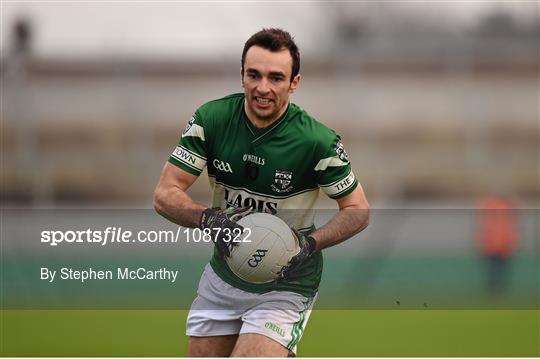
(262, 100)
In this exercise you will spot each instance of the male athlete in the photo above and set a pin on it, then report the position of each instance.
(262, 154)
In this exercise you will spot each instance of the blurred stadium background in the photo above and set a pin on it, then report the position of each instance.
(437, 104)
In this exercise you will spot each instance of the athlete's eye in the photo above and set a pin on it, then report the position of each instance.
(252, 75)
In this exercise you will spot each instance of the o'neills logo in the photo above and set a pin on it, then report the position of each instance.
(340, 151)
(273, 327)
(189, 124)
(252, 158)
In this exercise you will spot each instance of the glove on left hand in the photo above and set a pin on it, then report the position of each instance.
(307, 247)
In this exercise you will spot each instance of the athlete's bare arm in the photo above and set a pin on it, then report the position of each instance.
(171, 200)
(353, 217)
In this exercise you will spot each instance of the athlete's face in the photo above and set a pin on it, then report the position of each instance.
(266, 80)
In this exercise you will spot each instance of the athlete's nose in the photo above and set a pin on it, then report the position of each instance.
(263, 87)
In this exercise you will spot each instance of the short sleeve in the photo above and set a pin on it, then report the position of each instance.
(333, 170)
(191, 152)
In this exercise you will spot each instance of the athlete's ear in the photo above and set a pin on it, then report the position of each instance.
(295, 83)
(242, 76)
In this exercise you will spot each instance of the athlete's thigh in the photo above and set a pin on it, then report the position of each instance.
(281, 316)
(216, 346)
(258, 345)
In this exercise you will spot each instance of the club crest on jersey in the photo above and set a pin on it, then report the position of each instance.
(340, 151)
(189, 124)
(282, 181)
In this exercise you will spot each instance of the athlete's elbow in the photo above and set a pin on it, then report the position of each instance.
(365, 217)
(362, 215)
(159, 200)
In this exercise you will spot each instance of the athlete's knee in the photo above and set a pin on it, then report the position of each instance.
(218, 346)
(258, 345)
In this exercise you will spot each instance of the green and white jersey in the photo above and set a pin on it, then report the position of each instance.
(278, 170)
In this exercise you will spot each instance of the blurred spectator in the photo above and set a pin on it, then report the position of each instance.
(22, 36)
(497, 236)
(21, 47)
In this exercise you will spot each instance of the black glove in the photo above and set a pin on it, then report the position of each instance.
(222, 225)
(307, 247)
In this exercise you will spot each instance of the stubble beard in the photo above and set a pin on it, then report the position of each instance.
(266, 118)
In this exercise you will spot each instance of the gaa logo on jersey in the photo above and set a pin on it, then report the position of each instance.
(340, 151)
(222, 165)
(189, 124)
(282, 181)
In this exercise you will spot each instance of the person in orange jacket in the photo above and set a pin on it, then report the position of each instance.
(497, 237)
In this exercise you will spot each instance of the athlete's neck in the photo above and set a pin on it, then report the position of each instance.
(259, 122)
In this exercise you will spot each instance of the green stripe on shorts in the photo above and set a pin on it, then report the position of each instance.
(297, 329)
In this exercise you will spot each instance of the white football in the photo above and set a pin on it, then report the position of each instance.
(272, 244)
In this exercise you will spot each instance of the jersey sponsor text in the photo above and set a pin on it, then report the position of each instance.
(240, 200)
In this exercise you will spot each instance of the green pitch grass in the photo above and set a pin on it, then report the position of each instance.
(329, 333)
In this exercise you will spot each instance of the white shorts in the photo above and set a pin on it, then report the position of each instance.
(221, 309)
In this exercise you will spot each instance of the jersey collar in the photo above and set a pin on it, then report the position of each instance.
(258, 133)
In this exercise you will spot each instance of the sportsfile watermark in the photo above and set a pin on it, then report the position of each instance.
(119, 235)
(422, 259)
(120, 273)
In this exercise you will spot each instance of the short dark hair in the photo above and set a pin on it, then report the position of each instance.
(274, 40)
